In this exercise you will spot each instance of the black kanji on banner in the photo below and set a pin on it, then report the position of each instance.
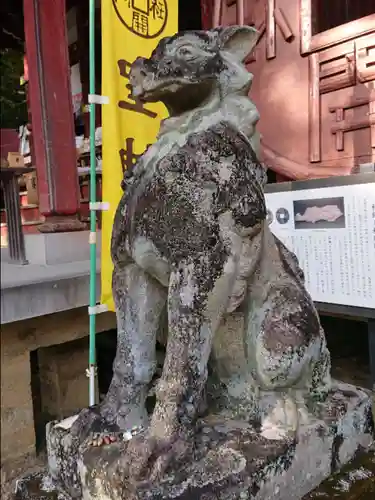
(144, 18)
(127, 155)
(132, 104)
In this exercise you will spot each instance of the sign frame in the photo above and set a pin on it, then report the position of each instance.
(325, 308)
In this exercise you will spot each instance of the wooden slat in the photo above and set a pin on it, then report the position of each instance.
(216, 21)
(350, 103)
(337, 67)
(342, 50)
(270, 30)
(372, 114)
(351, 125)
(314, 109)
(283, 25)
(339, 134)
(240, 12)
(305, 26)
(365, 58)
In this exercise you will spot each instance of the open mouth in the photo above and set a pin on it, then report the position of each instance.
(179, 95)
(151, 91)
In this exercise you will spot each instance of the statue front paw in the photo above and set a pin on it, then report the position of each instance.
(148, 457)
(105, 438)
(285, 417)
(91, 421)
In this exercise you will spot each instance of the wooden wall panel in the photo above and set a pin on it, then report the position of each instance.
(348, 66)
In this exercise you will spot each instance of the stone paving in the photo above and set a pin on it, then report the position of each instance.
(355, 482)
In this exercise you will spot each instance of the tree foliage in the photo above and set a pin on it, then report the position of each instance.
(13, 107)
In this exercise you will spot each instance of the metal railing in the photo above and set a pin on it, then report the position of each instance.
(9, 183)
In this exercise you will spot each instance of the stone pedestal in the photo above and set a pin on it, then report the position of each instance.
(63, 380)
(21, 376)
(231, 459)
(17, 419)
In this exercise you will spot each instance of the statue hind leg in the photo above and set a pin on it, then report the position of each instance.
(291, 360)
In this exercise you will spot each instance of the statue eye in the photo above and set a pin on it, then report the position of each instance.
(185, 52)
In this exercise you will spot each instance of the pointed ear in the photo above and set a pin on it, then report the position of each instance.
(238, 40)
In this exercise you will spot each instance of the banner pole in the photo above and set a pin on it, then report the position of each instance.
(92, 302)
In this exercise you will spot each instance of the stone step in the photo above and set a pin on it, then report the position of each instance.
(29, 227)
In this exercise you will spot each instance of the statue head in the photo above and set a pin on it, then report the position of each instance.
(187, 69)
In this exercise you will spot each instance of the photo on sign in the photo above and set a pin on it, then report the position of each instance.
(319, 213)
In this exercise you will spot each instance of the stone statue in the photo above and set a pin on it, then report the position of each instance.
(244, 406)
(190, 234)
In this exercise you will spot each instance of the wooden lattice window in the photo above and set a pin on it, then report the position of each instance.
(326, 15)
(325, 23)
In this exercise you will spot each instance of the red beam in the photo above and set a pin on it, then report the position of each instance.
(51, 108)
(207, 13)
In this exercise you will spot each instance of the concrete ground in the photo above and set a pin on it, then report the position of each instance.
(9, 475)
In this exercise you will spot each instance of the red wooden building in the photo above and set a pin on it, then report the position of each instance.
(314, 85)
(314, 72)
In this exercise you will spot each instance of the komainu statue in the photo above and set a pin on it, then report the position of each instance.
(245, 408)
(190, 234)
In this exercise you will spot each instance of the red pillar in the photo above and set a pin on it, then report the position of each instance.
(207, 13)
(51, 114)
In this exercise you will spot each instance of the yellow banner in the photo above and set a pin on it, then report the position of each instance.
(130, 28)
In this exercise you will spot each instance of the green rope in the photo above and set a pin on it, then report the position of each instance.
(92, 331)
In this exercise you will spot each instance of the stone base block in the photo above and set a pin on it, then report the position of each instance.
(232, 461)
(17, 433)
(63, 380)
(38, 485)
(58, 248)
(63, 451)
(62, 457)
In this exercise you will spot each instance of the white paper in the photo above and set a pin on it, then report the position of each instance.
(337, 252)
(67, 422)
(76, 86)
